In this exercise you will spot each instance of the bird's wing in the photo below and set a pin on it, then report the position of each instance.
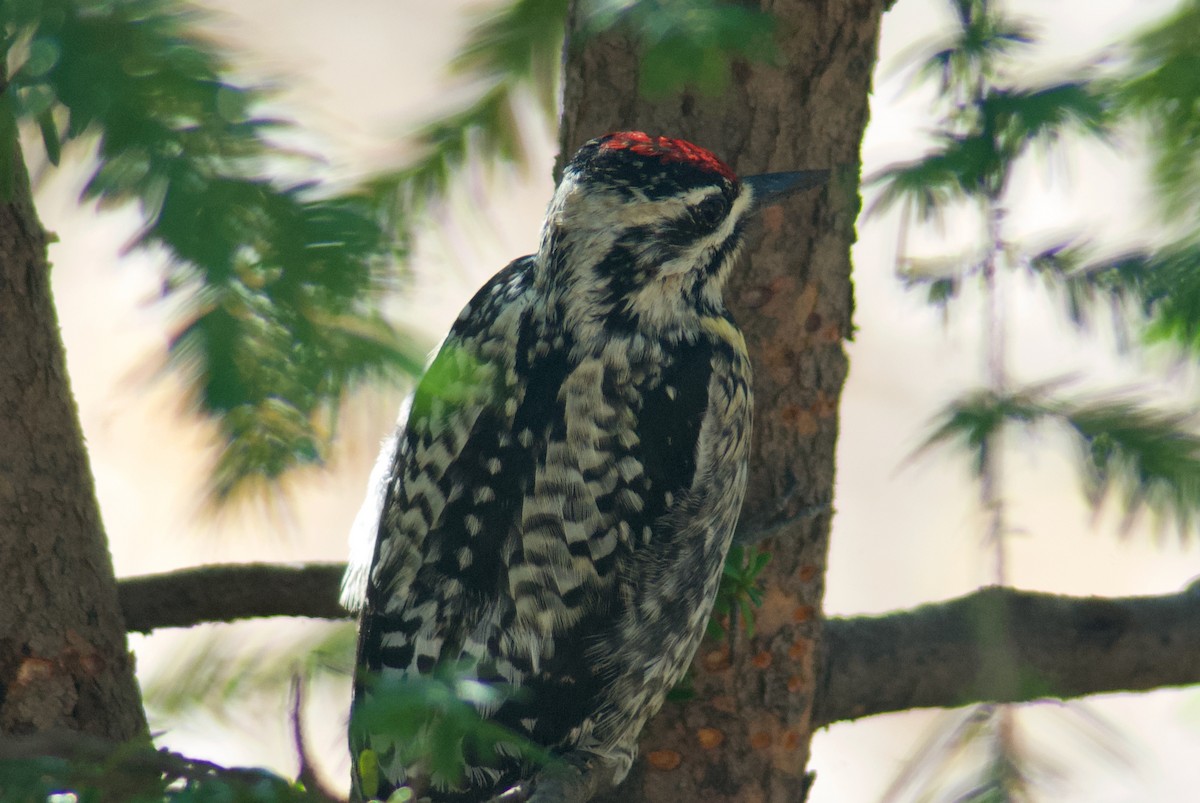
(446, 511)
(443, 519)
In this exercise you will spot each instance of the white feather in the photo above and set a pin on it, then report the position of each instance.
(365, 528)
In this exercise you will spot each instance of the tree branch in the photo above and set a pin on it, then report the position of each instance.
(936, 655)
(1056, 646)
(227, 592)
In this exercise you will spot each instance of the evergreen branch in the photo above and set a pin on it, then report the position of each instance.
(1083, 286)
(973, 421)
(1159, 288)
(279, 287)
(51, 764)
(435, 721)
(931, 656)
(1160, 85)
(986, 125)
(930, 184)
(983, 38)
(515, 49)
(522, 41)
(1019, 118)
(976, 151)
(519, 48)
(1151, 457)
(686, 46)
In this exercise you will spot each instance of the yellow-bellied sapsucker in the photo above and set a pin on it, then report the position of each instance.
(557, 507)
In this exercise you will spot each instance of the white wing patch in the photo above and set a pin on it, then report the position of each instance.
(365, 529)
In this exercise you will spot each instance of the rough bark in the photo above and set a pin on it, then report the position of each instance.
(746, 734)
(1061, 647)
(64, 663)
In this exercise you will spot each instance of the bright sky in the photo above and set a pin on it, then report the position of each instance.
(360, 75)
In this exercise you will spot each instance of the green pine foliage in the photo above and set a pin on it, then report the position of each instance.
(1131, 454)
(1148, 458)
(988, 125)
(512, 52)
(1160, 86)
(435, 723)
(516, 51)
(279, 287)
(434, 719)
(686, 44)
(83, 769)
(740, 591)
(1154, 293)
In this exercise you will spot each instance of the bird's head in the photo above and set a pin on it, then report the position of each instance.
(642, 231)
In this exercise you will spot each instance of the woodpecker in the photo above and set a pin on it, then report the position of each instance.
(554, 511)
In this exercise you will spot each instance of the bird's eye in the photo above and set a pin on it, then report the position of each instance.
(710, 212)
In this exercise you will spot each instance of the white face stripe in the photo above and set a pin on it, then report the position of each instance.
(693, 197)
(648, 212)
(695, 254)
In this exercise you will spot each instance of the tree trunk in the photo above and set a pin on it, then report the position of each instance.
(745, 735)
(64, 662)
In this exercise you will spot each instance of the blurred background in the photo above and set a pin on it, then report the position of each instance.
(359, 76)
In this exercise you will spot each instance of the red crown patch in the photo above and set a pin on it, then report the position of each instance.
(668, 150)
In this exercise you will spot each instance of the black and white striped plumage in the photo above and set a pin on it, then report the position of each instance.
(562, 495)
